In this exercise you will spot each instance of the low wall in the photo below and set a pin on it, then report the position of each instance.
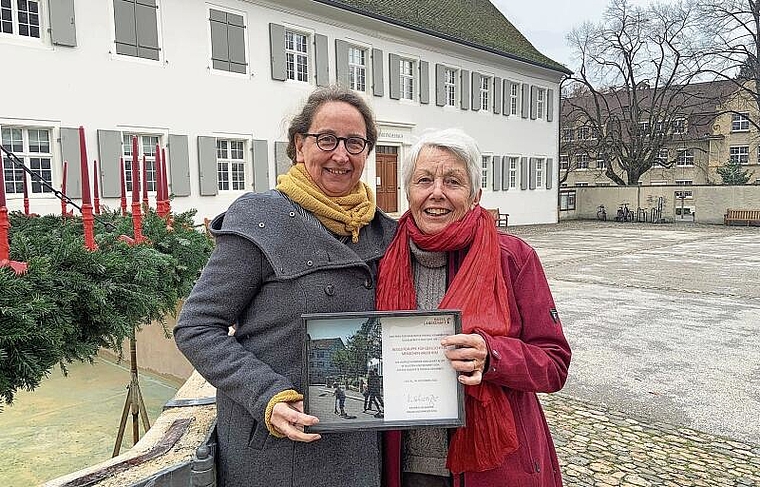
(705, 204)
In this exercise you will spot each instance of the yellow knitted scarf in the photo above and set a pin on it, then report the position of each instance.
(342, 215)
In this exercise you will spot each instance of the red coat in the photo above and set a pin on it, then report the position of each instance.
(533, 357)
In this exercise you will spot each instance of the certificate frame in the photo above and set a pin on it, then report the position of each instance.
(389, 361)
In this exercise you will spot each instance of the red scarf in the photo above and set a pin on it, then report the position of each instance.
(479, 290)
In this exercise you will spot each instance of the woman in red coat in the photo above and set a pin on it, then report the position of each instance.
(448, 254)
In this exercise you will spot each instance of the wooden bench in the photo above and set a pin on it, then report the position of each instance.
(741, 217)
(501, 219)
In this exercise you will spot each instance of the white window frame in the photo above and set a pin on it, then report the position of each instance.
(294, 56)
(585, 133)
(739, 153)
(407, 85)
(26, 154)
(662, 157)
(687, 194)
(514, 98)
(685, 157)
(564, 161)
(602, 185)
(740, 122)
(357, 71)
(678, 126)
(601, 164)
(581, 184)
(568, 134)
(485, 93)
(658, 182)
(582, 161)
(540, 172)
(231, 166)
(485, 164)
(16, 27)
(150, 157)
(540, 102)
(450, 86)
(514, 174)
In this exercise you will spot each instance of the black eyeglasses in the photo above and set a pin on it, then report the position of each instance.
(327, 142)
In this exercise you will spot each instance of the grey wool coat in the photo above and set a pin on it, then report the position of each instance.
(271, 265)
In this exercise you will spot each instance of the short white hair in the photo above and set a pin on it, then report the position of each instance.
(457, 142)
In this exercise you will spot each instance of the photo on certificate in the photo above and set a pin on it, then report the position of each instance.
(381, 370)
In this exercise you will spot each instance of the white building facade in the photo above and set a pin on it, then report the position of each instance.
(217, 82)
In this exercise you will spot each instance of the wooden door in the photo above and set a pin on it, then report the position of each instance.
(386, 189)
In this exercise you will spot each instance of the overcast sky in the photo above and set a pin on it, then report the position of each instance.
(546, 23)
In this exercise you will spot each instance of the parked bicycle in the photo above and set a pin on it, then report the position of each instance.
(601, 213)
(624, 214)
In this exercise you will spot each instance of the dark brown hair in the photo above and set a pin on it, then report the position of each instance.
(301, 122)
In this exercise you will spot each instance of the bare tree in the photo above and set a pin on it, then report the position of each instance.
(632, 92)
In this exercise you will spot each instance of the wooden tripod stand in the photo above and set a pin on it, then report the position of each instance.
(133, 403)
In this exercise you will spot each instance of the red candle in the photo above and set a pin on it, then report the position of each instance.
(164, 179)
(26, 190)
(95, 191)
(159, 184)
(145, 183)
(135, 173)
(65, 176)
(85, 173)
(121, 179)
(2, 182)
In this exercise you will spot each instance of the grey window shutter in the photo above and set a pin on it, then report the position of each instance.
(126, 30)
(207, 166)
(525, 112)
(70, 153)
(236, 43)
(533, 102)
(277, 51)
(260, 166)
(475, 91)
(523, 173)
(341, 63)
(548, 173)
(394, 73)
(146, 19)
(505, 173)
(440, 91)
(532, 166)
(109, 153)
(506, 98)
(281, 160)
(424, 82)
(320, 55)
(497, 95)
(62, 27)
(179, 165)
(549, 105)
(227, 41)
(496, 165)
(464, 98)
(378, 88)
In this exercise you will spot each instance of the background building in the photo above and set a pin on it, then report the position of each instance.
(217, 83)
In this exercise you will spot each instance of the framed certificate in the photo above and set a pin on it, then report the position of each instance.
(381, 370)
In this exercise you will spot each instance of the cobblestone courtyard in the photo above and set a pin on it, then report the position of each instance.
(664, 387)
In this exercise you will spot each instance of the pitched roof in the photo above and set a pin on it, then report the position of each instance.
(327, 343)
(475, 23)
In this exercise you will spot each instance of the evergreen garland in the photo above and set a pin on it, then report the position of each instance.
(72, 301)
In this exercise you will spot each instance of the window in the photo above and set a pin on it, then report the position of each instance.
(584, 133)
(20, 17)
(486, 166)
(739, 154)
(567, 135)
(146, 146)
(678, 126)
(740, 122)
(227, 41)
(581, 161)
(296, 56)
(601, 164)
(684, 194)
(604, 185)
(32, 146)
(567, 200)
(540, 101)
(485, 92)
(659, 127)
(644, 128)
(685, 157)
(539, 173)
(659, 182)
(564, 161)
(514, 97)
(136, 28)
(407, 79)
(230, 164)
(357, 68)
(662, 157)
(450, 86)
(513, 172)
(581, 184)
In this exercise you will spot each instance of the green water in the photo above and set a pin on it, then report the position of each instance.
(71, 422)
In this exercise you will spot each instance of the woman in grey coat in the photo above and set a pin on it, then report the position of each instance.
(311, 245)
